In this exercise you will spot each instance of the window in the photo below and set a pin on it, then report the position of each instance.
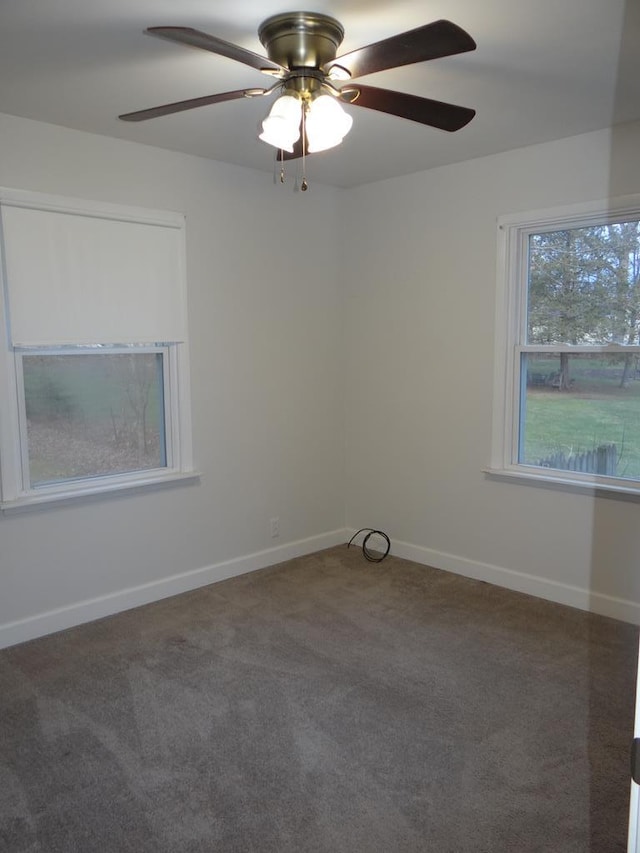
(567, 383)
(91, 414)
(93, 361)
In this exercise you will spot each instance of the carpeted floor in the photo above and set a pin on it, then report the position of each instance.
(324, 705)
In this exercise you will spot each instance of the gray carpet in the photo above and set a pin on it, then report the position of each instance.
(326, 704)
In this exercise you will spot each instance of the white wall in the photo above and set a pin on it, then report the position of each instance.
(420, 314)
(276, 381)
(265, 312)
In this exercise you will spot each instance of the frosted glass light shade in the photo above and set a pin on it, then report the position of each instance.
(327, 124)
(281, 128)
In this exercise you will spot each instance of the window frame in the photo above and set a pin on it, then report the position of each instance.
(16, 491)
(511, 336)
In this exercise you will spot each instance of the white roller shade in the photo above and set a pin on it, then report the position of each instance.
(82, 277)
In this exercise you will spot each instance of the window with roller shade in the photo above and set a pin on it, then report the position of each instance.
(94, 348)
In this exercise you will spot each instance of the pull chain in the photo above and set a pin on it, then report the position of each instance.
(281, 166)
(304, 185)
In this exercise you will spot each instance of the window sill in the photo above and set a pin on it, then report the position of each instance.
(91, 491)
(593, 488)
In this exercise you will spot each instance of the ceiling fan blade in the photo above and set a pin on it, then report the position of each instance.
(195, 38)
(440, 38)
(434, 113)
(179, 106)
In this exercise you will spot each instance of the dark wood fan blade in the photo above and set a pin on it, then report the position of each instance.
(179, 106)
(195, 38)
(441, 38)
(434, 113)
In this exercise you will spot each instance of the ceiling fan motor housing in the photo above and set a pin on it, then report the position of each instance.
(301, 39)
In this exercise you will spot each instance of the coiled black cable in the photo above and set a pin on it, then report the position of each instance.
(369, 555)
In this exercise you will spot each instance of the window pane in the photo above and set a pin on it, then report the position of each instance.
(584, 285)
(90, 415)
(581, 412)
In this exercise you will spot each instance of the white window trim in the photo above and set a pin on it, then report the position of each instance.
(15, 493)
(513, 235)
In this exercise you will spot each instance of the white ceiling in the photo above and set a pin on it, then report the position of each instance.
(543, 70)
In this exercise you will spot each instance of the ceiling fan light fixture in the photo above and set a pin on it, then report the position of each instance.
(281, 128)
(327, 124)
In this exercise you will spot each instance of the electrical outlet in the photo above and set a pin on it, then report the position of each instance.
(275, 528)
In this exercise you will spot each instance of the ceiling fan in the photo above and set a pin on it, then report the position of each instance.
(311, 81)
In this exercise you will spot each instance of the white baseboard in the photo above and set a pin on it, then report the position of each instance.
(41, 624)
(573, 596)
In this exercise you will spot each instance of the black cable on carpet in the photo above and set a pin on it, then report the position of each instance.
(368, 554)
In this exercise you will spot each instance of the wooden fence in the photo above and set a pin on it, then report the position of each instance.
(600, 460)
